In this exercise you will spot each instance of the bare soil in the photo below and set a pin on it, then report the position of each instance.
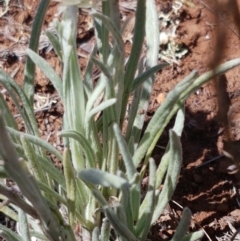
(209, 30)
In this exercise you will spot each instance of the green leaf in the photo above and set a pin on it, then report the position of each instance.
(8, 234)
(70, 183)
(126, 155)
(138, 38)
(9, 119)
(136, 117)
(48, 167)
(142, 94)
(84, 144)
(160, 119)
(179, 121)
(45, 188)
(178, 127)
(23, 106)
(37, 141)
(147, 74)
(144, 222)
(193, 236)
(118, 225)
(135, 197)
(183, 226)
(47, 70)
(105, 230)
(23, 225)
(98, 177)
(103, 68)
(55, 43)
(112, 28)
(96, 234)
(34, 42)
(172, 103)
(73, 89)
(9, 212)
(104, 105)
(88, 76)
(171, 179)
(32, 160)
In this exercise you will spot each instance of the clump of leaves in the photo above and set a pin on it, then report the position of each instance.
(100, 187)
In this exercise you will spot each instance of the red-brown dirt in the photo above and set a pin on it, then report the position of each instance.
(209, 31)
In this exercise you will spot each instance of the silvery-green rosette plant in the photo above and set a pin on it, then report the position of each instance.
(99, 188)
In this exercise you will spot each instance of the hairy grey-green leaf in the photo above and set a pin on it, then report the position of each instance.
(126, 155)
(198, 235)
(98, 177)
(183, 226)
(55, 43)
(170, 183)
(47, 70)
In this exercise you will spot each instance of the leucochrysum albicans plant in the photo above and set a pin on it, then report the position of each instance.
(100, 187)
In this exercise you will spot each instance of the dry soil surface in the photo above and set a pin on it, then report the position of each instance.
(209, 30)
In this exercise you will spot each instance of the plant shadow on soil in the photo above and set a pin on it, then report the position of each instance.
(208, 189)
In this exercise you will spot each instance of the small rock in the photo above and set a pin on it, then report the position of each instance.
(160, 98)
(163, 38)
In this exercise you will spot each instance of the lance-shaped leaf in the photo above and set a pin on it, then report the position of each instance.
(178, 127)
(160, 119)
(183, 225)
(10, 120)
(34, 43)
(96, 94)
(118, 225)
(37, 141)
(127, 158)
(105, 230)
(170, 183)
(193, 236)
(84, 143)
(172, 103)
(111, 27)
(23, 225)
(105, 104)
(134, 57)
(147, 74)
(8, 211)
(14, 198)
(96, 234)
(25, 110)
(88, 76)
(47, 70)
(103, 68)
(49, 191)
(105, 179)
(27, 185)
(70, 184)
(8, 234)
(73, 89)
(144, 222)
(32, 160)
(55, 43)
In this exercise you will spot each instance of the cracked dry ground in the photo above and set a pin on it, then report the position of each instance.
(208, 190)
